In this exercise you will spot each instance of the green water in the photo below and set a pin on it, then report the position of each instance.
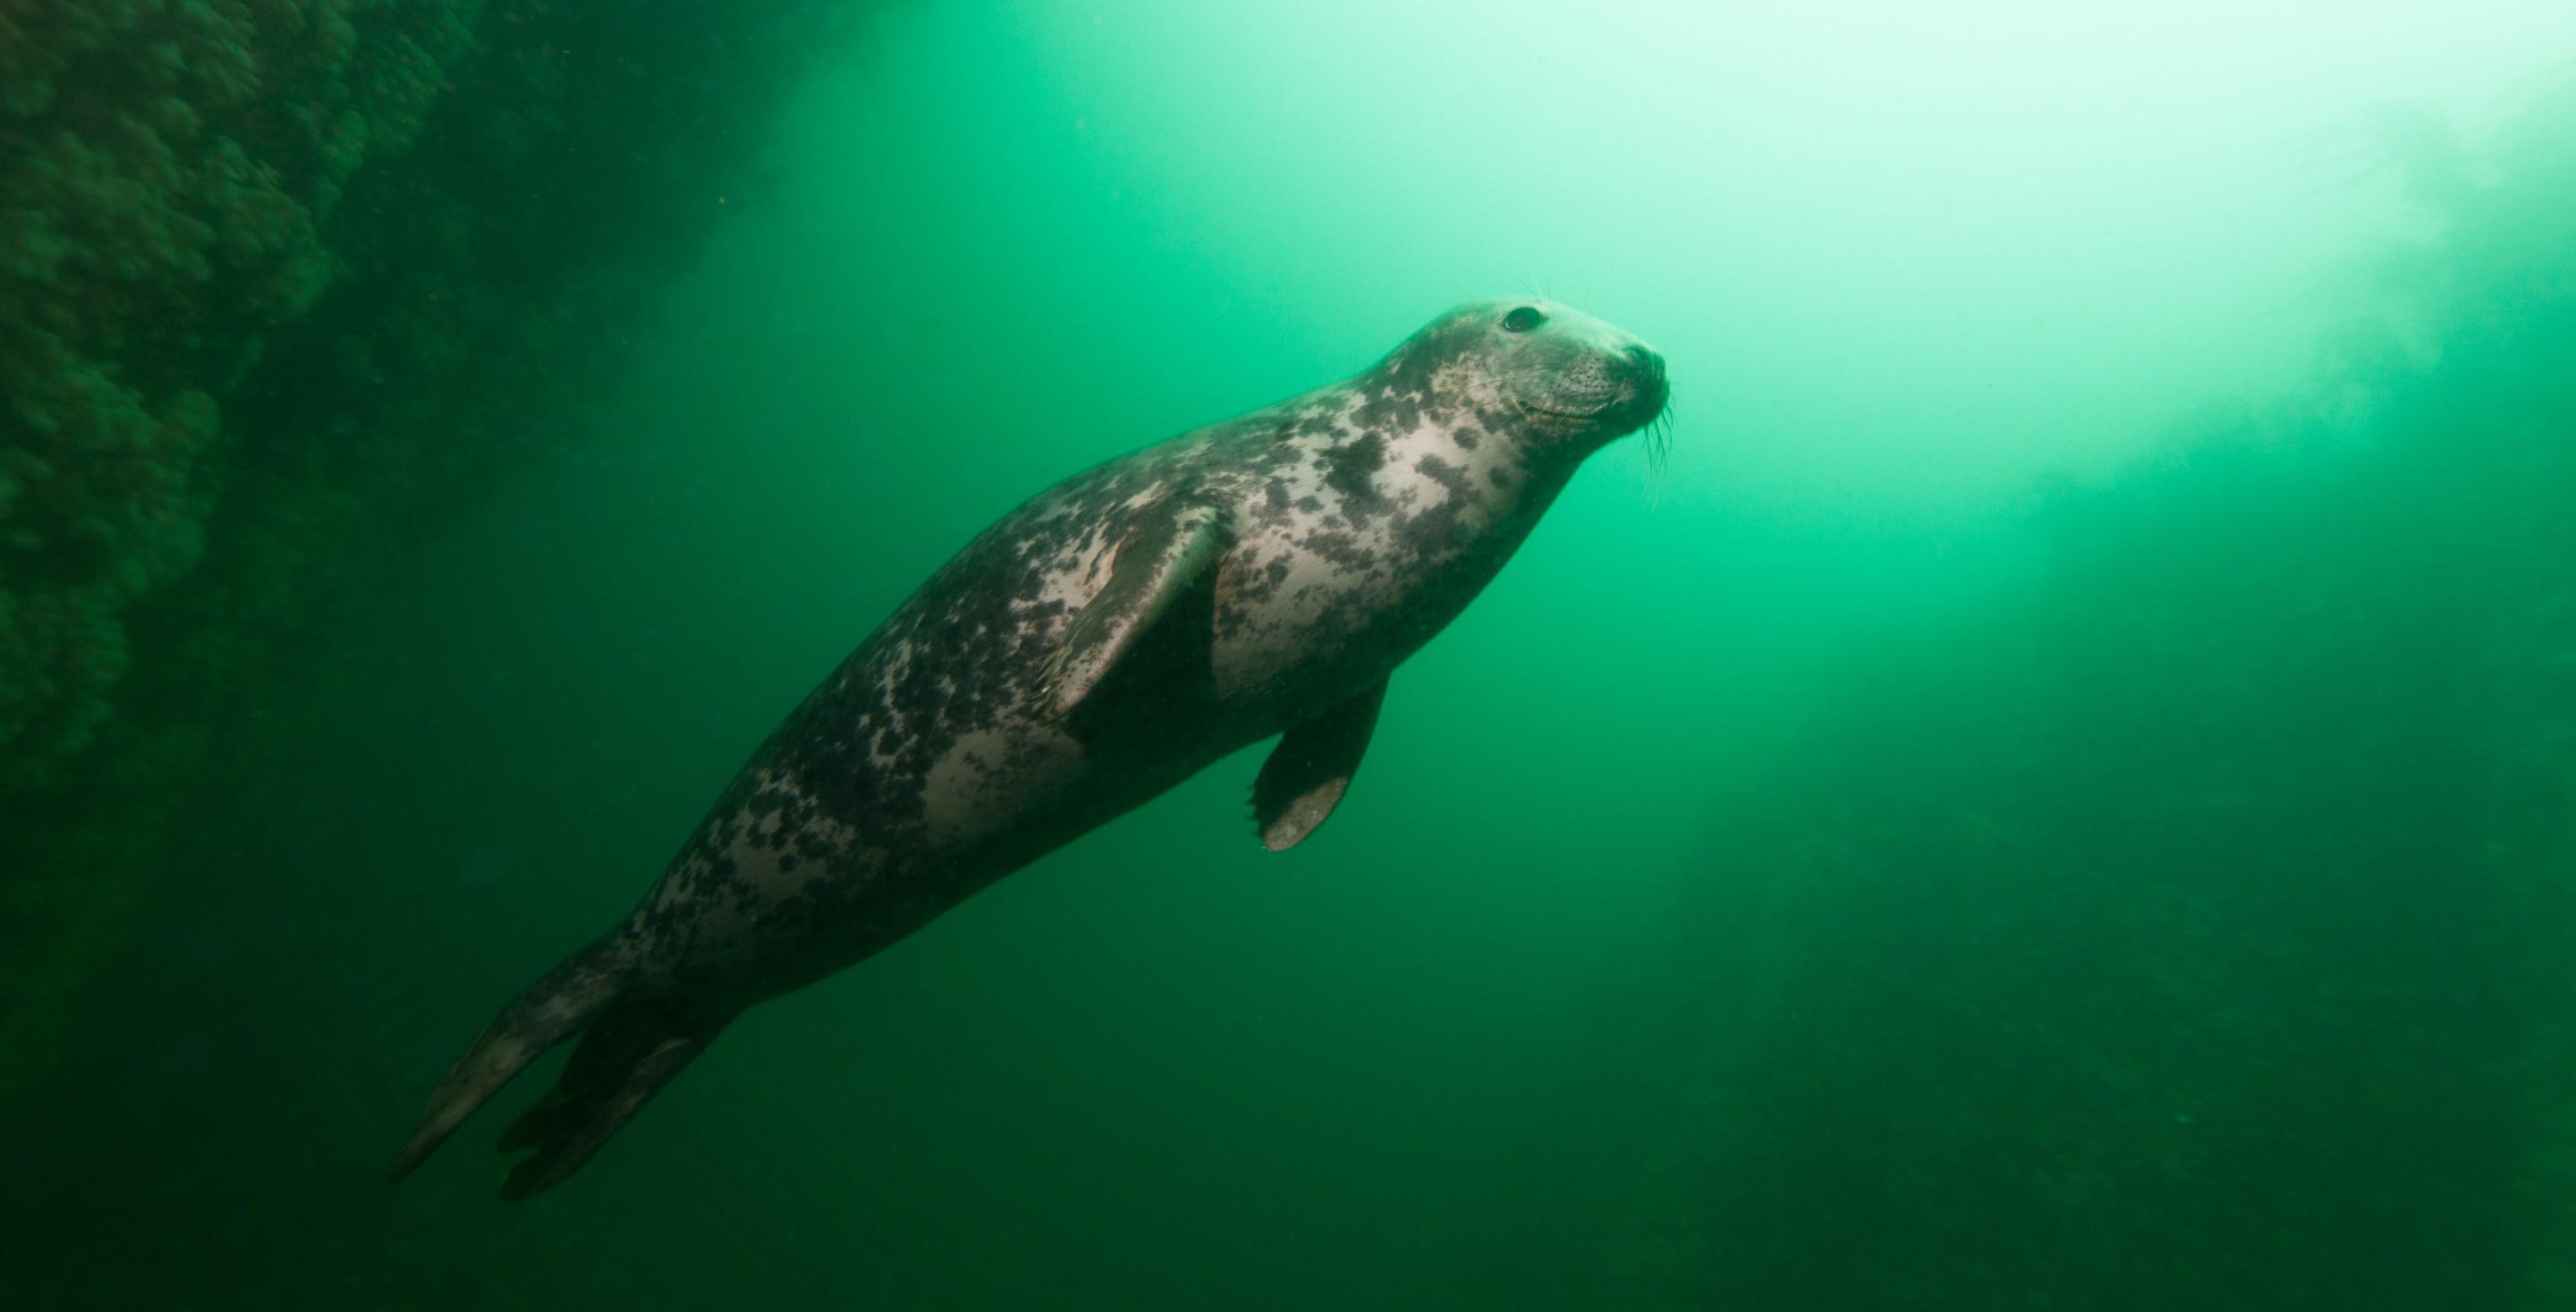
(2061, 795)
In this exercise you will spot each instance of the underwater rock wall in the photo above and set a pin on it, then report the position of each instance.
(2211, 949)
(283, 285)
(166, 170)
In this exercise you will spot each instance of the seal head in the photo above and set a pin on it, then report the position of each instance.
(1568, 383)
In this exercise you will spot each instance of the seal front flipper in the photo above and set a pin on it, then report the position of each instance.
(1158, 563)
(1311, 768)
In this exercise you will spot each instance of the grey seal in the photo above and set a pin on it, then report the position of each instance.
(1112, 636)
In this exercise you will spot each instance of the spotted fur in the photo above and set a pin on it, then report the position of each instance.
(1352, 524)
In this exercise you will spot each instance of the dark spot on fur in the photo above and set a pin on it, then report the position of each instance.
(1348, 470)
(1339, 547)
(1436, 529)
(1393, 409)
(1445, 474)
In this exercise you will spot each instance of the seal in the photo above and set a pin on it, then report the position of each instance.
(1109, 638)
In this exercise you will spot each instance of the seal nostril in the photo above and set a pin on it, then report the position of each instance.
(1647, 361)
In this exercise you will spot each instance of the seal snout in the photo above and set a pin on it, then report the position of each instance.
(1648, 380)
(1647, 362)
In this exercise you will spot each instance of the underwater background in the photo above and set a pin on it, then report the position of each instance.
(2061, 795)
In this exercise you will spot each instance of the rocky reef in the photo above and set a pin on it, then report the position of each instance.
(283, 284)
(168, 170)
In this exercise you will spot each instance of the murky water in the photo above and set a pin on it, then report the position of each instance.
(2060, 793)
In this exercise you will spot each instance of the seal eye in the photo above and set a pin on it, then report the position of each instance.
(1522, 320)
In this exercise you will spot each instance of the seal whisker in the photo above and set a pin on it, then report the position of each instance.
(1658, 439)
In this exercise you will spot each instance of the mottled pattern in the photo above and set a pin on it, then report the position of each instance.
(1362, 517)
(1350, 525)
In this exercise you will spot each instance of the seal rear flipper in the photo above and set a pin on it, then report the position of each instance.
(1311, 768)
(1159, 563)
(541, 1016)
(628, 1054)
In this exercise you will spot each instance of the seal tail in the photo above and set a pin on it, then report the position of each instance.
(632, 1046)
